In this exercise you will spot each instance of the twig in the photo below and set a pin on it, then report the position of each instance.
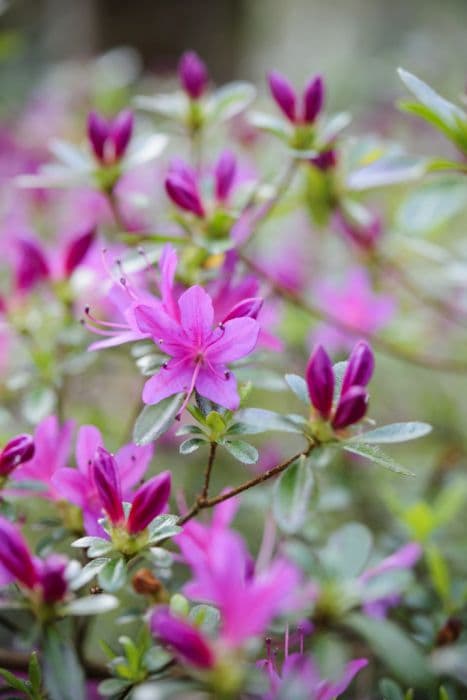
(202, 503)
(385, 346)
(207, 475)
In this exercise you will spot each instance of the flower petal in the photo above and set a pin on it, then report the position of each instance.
(88, 440)
(172, 379)
(163, 329)
(196, 314)
(236, 339)
(216, 386)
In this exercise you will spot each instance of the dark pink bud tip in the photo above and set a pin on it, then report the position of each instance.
(149, 502)
(182, 188)
(98, 132)
(351, 408)
(32, 266)
(360, 367)
(107, 480)
(313, 99)
(325, 160)
(247, 307)
(183, 638)
(225, 175)
(193, 74)
(17, 451)
(121, 129)
(52, 578)
(283, 94)
(16, 562)
(320, 380)
(77, 250)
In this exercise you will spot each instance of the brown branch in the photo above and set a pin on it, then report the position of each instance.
(202, 503)
(385, 346)
(208, 472)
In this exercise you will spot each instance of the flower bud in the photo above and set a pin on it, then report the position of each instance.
(77, 250)
(52, 578)
(283, 94)
(247, 307)
(32, 267)
(107, 480)
(145, 583)
(182, 188)
(183, 638)
(17, 451)
(351, 408)
(225, 175)
(360, 367)
(325, 160)
(121, 129)
(149, 501)
(98, 132)
(313, 99)
(320, 381)
(193, 74)
(16, 562)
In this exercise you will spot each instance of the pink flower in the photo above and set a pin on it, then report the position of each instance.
(199, 353)
(183, 638)
(355, 304)
(79, 485)
(353, 399)
(109, 138)
(287, 100)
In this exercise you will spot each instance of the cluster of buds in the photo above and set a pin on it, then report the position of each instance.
(128, 531)
(352, 403)
(18, 450)
(287, 99)
(43, 581)
(109, 139)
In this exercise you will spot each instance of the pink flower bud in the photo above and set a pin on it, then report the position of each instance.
(225, 175)
(107, 479)
(283, 94)
(182, 188)
(32, 267)
(320, 380)
(98, 133)
(52, 578)
(121, 129)
(325, 160)
(360, 367)
(193, 74)
(247, 307)
(16, 562)
(149, 501)
(182, 637)
(351, 408)
(77, 250)
(17, 451)
(313, 99)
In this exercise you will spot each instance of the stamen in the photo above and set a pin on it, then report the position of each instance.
(191, 387)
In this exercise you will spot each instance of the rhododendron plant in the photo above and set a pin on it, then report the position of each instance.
(204, 343)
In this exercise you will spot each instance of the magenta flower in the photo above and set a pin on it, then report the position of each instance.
(182, 187)
(18, 450)
(109, 138)
(223, 574)
(353, 399)
(199, 353)
(183, 638)
(224, 175)
(52, 449)
(79, 486)
(286, 98)
(149, 500)
(356, 305)
(192, 74)
(17, 564)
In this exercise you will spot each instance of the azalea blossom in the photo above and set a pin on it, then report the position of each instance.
(287, 100)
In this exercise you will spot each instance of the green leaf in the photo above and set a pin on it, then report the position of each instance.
(260, 420)
(154, 421)
(373, 453)
(14, 682)
(271, 124)
(191, 445)
(63, 675)
(113, 575)
(299, 387)
(243, 451)
(399, 653)
(206, 618)
(34, 672)
(216, 423)
(439, 572)
(91, 605)
(347, 550)
(394, 432)
(390, 690)
(432, 205)
(88, 572)
(450, 661)
(446, 113)
(388, 170)
(113, 686)
(292, 493)
(162, 527)
(38, 404)
(230, 99)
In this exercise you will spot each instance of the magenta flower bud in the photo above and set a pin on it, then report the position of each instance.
(32, 267)
(360, 367)
(182, 188)
(149, 501)
(183, 638)
(120, 130)
(320, 381)
(16, 562)
(52, 578)
(98, 133)
(247, 307)
(107, 479)
(351, 408)
(313, 99)
(283, 94)
(225, 175)
(77, 250)
(17, 451)
(325, 160)
(192, 74)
